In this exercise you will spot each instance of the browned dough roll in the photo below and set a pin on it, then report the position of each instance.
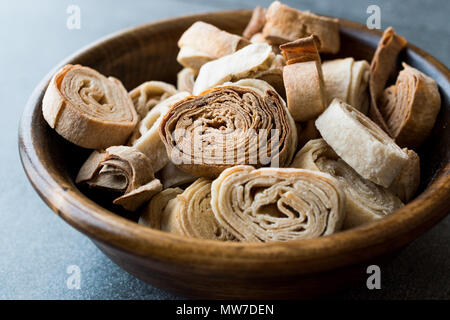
(303, 79)
(121, 170)
(88, 109)
(410, 107)
(221, 128)
(382, 67)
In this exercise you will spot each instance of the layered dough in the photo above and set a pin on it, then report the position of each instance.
(249, 62)
(361, 143)
(303, 79)
(123, 171)
(186, 79)
(152, 213)
(149, 94)
(407, 181)
(88, 109)
(410, 107)
(347, 80)
(382, 67)
(242, 123)
(190, 214)
(145, 137)
(270, 204)
(203, 42)
(284, 24)
(365, 200)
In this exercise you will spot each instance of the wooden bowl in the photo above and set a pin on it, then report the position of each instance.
(213, 269)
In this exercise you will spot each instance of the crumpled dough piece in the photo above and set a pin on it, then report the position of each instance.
(361, 143)
(149, 94)
(151, 214)
(271, 204)
(284, 24)
(382, 67)
(145, 137)
(365, 200)
(88, 109)
(186, 79)
(203, 42)
(410, 107)
(221, 128)
(244, 63)
(347, 80)
(172, 176)
(190, 214)
(122, 170)
(303, 79)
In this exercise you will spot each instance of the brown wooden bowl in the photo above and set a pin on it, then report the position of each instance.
(213, 269)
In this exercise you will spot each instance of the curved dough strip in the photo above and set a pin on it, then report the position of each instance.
(149, 94)
(410, 107)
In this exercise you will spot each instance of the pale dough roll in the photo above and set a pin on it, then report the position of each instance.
(303, 79)
(347, 80)
(270, 204)
(242, 123)
(284, 24)
(365, 200)
(88, 109)
(145, 137)
(122, 171)
(244, 63)
(361, 143)
(186, 79)
(202, 42)
(190, 214)
(407, 181)
(149, 94)
(151, 214)
(410, 107)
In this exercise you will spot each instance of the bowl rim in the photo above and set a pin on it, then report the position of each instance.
(115, 231)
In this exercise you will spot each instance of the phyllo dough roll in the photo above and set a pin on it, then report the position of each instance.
(272, 204)
(203, 42)
(242, 123)
(122, 171)
(347, 80)
(410, 107)
(303, 79)
(88, 109)
(361, 143)
(190, 214)
(365, 200)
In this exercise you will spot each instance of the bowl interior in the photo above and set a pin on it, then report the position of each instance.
(149, 53)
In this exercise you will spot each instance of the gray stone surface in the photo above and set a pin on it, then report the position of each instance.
(36, 246)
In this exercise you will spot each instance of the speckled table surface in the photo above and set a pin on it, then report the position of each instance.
(36, 246)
